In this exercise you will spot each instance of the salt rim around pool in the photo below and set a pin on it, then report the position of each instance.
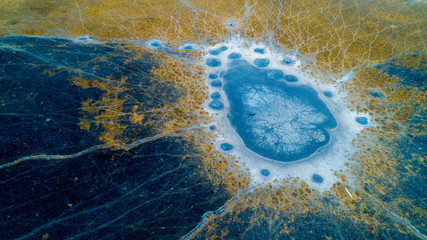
(321, 168)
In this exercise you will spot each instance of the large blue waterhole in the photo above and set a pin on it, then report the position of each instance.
(275, 119)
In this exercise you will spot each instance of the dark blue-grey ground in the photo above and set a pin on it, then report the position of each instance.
(148, 192)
